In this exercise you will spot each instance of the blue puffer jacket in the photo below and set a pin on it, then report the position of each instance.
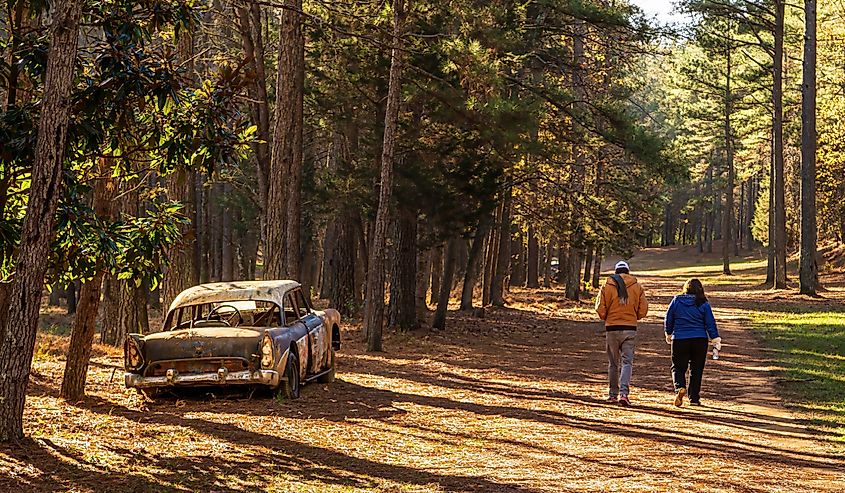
(686, 320)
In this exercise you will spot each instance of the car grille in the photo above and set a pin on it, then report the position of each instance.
(197, 365)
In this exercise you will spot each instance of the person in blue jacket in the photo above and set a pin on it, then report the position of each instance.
(689, 323)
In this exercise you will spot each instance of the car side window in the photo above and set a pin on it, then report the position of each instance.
(301, 303)
(290, 309)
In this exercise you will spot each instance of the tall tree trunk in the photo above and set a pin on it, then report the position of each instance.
(403, 309)
(808, 275)
(84, 324)
(70, 291)
(203, 230)
(588, 267)
(249, 25)
(547, 265)
(17, 341)
(181, 270)
(283, 208)
(180, 257)
(751, 202)
(517, 261)
(770, 251)
(436, 272)
(491, 258)
(423, 275)
(227, 250)
(497, 286)
(533, 280)
(710, 208)
(474, 265)
(374, 311)
(439, 321)
(597, 266)
(778, 188)
(573, 274)
(329, 241)
(727, 216)
(340, 285)
(217, 233)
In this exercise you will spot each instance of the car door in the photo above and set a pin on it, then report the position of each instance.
(318, 342)
(298, 331)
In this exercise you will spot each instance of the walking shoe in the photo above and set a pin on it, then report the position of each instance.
(679, 397)
(694, 403)
(624, 402)
(612, 400)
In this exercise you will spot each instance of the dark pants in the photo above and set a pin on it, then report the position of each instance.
(690, 353)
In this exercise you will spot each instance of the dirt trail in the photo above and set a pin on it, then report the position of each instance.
(512, 402)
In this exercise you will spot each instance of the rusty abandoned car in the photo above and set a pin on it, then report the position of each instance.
(261, 333)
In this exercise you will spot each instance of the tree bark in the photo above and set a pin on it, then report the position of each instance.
(249, 25)
(727, 216)
(597, 266)
(518, 266)
(283, 207)
(70, 291)
(439, 321)
(340, 284)
(778, 188)
(770, 250)
(490, 259)
(547, 265)
(808, 275)
(84, 324)
(180, 274)
(708, 236)
(497, 286)
(18, 342)
(227, 250)
(374, 311)
(588, 267)
(474, 265)
(533, 274)
(573, 274)
(423, 275)
(436, 272)
(403, 309)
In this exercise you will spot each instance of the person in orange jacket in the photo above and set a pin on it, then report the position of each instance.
(621, 303)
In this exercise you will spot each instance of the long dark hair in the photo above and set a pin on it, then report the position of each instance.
(695, 288)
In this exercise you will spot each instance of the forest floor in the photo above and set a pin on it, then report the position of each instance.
(513, 402)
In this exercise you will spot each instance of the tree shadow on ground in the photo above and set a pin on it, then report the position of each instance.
(66, 470)
(305, 461)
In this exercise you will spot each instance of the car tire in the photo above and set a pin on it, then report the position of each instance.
(289, 388)
(329, 376)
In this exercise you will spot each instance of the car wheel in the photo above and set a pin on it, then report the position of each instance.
(329, 376)
(290, 386)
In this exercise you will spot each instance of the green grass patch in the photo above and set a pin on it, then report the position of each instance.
(707, 268)
(810, 351)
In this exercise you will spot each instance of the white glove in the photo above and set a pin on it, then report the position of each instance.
(717, 343)
(668, 338)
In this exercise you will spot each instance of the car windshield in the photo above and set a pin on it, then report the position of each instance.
(235, 313)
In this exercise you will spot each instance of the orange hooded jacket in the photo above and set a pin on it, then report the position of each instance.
(618, 316)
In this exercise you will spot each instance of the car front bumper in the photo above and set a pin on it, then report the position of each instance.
(269, 378)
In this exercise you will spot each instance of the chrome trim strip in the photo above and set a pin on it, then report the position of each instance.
(259, 377)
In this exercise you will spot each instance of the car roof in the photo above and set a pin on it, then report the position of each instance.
(215, 292)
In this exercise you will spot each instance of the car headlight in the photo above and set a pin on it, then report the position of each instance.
(133, 360)
(266, 352)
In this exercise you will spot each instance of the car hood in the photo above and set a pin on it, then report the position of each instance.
(205, 342)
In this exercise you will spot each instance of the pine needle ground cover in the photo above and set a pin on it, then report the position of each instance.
(513, 402)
